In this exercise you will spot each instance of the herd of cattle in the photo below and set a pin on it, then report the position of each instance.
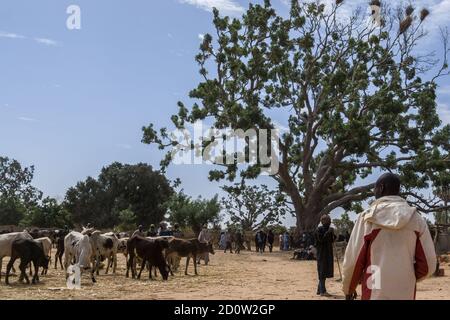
(89, 248)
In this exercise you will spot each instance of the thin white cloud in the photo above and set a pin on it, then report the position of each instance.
(48, 42)
(226, 7)
(201, 36)
(444, 90)
(27, 119)
(44, 41)
(439, 12)
(444, 113)
(124, 146)
(11, 35)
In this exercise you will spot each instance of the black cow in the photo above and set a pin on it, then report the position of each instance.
(149, 250)
(191, 248)
(28, 251)
(59, 252)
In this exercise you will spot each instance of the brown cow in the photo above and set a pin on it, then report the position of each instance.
(187, 248)
(150, 251)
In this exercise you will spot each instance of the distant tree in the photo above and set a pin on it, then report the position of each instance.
(277, 228)
(343, 224)
(193, 213)
(47, 214)
(16, 192)
(12, 210)
(127, 220)
(120, 187)
(253, 207)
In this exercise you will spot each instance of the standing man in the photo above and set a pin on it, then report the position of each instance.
(324, 244)
(390, 248)
(228, 241)
(139, 231)
(270, 239)
(259, 241)
(280, 240)
(286, 241)
(204, 237)
(152, 232)
(239, 242)
(177, 233)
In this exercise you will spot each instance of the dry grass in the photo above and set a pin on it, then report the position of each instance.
(229, 276)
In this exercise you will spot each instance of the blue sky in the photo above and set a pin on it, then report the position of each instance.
(73, 101)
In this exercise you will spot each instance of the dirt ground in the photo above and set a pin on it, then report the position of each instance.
(228, 276)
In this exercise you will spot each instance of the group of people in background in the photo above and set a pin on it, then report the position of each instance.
(163, 230)
(262, 241)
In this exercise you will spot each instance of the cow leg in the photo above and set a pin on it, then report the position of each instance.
(60, 260)
(93, 277)
(36, 273)
(1, 260)
(31, 270)
(154, 268)
(97, 265)
(187, 265)
(129, 266)
(23, 271)
(150, 271)
(8, 268)
(107, 265)
(114, 262)
(144, 262)
(195, 265)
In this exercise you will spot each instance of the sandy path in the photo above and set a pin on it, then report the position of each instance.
(229, 276)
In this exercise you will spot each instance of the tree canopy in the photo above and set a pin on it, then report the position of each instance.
(16, 192)
(189, 213)
(120, 187)
(253, 207)
(357, 98)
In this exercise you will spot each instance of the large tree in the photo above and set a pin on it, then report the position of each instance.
(253, 207)
(119, 187)
(356, 97)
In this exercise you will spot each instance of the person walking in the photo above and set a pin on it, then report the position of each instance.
(228, 242)
(390, 248)
(270, 239)
(204, 237)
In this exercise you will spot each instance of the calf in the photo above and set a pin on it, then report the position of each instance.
(149, 250)
(189, 249)
(46, 244)
(28, 251)
(6, 241)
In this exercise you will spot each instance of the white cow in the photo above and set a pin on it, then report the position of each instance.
(78, 250)
(46, 245)
(104, 249)
(104, 246)
(6, 241)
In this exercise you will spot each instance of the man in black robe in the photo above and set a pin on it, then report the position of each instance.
(270, 239)
(324, 237)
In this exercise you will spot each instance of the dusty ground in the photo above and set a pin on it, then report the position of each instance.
(229, 276)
